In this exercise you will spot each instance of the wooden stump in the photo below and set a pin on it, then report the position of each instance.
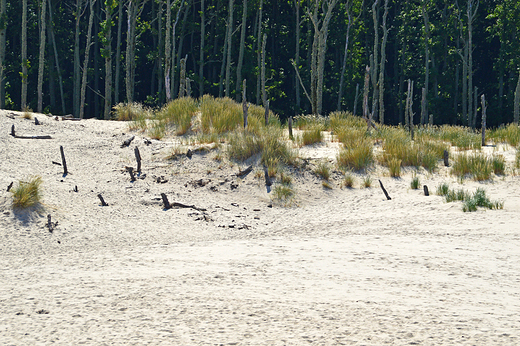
(166, 203)
(138, 159)
(290, 128)
(127, 142)
(131, 172)
(426, 192)
(446, 158)
(36, 122)
(64, 163)
(12, 131)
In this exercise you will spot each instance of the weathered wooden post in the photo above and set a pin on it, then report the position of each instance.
(426, 192)
(266, 113)
(446, 158)
(384, 191)
(103, 203)
(166, 203)
(290, 128)
(484, 106)
(12, 131)
(64, 163)
(244, 103)
(138, 159)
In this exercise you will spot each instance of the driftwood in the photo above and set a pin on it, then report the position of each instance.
(65, 171)
(138, 159)
(130, 171)
(13, 133)
(168, 205)
(9, 186)
(56, 163)
(245, 172)
(384, 190)
(446, 158)
(426, 192)
(103, 203)
(127, 142)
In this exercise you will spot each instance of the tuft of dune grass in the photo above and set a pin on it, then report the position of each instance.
(27, 193)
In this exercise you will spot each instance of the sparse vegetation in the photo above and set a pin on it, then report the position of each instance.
(394, 166)
(470, 202)
(311, 135)
(415, 183)
(476, 165)
(27, 193)
(367, 181)
(356, 157)
(178, 113)
(348, 181)
(323, 170)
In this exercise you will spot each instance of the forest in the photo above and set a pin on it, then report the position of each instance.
(82, 57)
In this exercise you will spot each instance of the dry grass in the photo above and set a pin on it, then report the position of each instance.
(27, 193)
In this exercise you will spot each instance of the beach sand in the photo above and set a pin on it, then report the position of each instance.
(337, 267)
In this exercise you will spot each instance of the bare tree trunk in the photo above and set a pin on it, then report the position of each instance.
(130, 50)
(484, 107)
(471, 13)
(167, 50)
(85, 61)
(77, 64)
(366, 114)
(118, 52)
(262, 72)
(41, 58)
(182, 77)
(57, 62)
(297, 55)
(3, 30)
(181, 42)
(382, 67)
(201, 57)
(356, 99)
(424, 107)
(229, 46)
(107, 54)
(344, 64)
(241, 50)
(475, 108)
(374, 62)
(517, 102)
(24, 55)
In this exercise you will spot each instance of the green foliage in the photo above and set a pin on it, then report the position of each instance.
(367, 181)
(506, 134)
(311, 135)
(470, 202)
(27, 193)
(476, 165)
(415, 183)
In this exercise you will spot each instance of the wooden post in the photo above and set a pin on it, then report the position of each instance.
(12, 131)
(267, 179)
(426, 193)
(36, 122)
(50, 225)
(127, 142)
(166, 203)
(64, 163)
(446, 158)
(9, 186)
(103, 203)
(244, 103)
(138, 159)
(384, 190)
(484, 106)
(290, 128)
(131, 172)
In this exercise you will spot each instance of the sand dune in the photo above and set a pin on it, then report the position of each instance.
(340, 267)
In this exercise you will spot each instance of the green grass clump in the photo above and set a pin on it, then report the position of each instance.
(506, 134)
(348, 181)
(304, 122)
(27, 193)
(284, 194)
(499, 164)
(220, 115)
(178, 113)
(341, 120)
(356, 157)
(470, 202)
(367, 181)
(323, 170)
(415, 183)
(443, 189)
(130, 111)
(394, 166)
(311, 135)
(477, 165)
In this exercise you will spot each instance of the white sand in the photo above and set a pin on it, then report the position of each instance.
(344, 267)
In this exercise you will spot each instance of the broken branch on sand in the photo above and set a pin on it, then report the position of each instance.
(13, 133)
(168, 205)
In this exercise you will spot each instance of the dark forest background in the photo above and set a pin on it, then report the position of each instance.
(456, 50)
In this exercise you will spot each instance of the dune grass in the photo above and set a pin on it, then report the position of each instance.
(476, 165)
(311, 135)
(348, 181)
(470, 201)
(27, 193)
(509, 134)
(322, 170)
(178, 113)
(356, 157)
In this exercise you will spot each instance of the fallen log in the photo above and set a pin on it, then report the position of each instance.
(245, 172)
(168, 205)
(13, 133)
(127, 142)
(384, 190)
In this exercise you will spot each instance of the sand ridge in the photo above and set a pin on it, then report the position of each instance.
(343, 266)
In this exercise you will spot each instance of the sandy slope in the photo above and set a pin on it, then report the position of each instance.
(345, 266)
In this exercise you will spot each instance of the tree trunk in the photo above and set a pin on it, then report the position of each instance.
(173, 52)
(241, 50)
(85, 61)
(201, 57)
(344, 64)
(3, 30)
(130, 50)
(25, 63)
(77, 66)
(471, 13)
(41, 58)
(57, 62)
(181, 43)
(382, 67)
(484, 107)
(118, 52)
(424, 107)
(107, 54)
(297, 56)
(262, 72)
(229, 46)
(259, 51)
(374, 62)
(167, 50)
(517, 102)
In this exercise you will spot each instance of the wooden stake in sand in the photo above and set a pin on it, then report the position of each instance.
(245, 172)
(426, 193)
(267, 179)
(51, 225)
(36, 122)
(130, 171)
(138, 159)
(384, 190)
(166, 203)
(64, 163)
(446, 158)
(290, 128)
(12, 131)
(103, 203)
(127, 142)
(9, 186)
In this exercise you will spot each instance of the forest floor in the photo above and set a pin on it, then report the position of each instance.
(335, 267)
